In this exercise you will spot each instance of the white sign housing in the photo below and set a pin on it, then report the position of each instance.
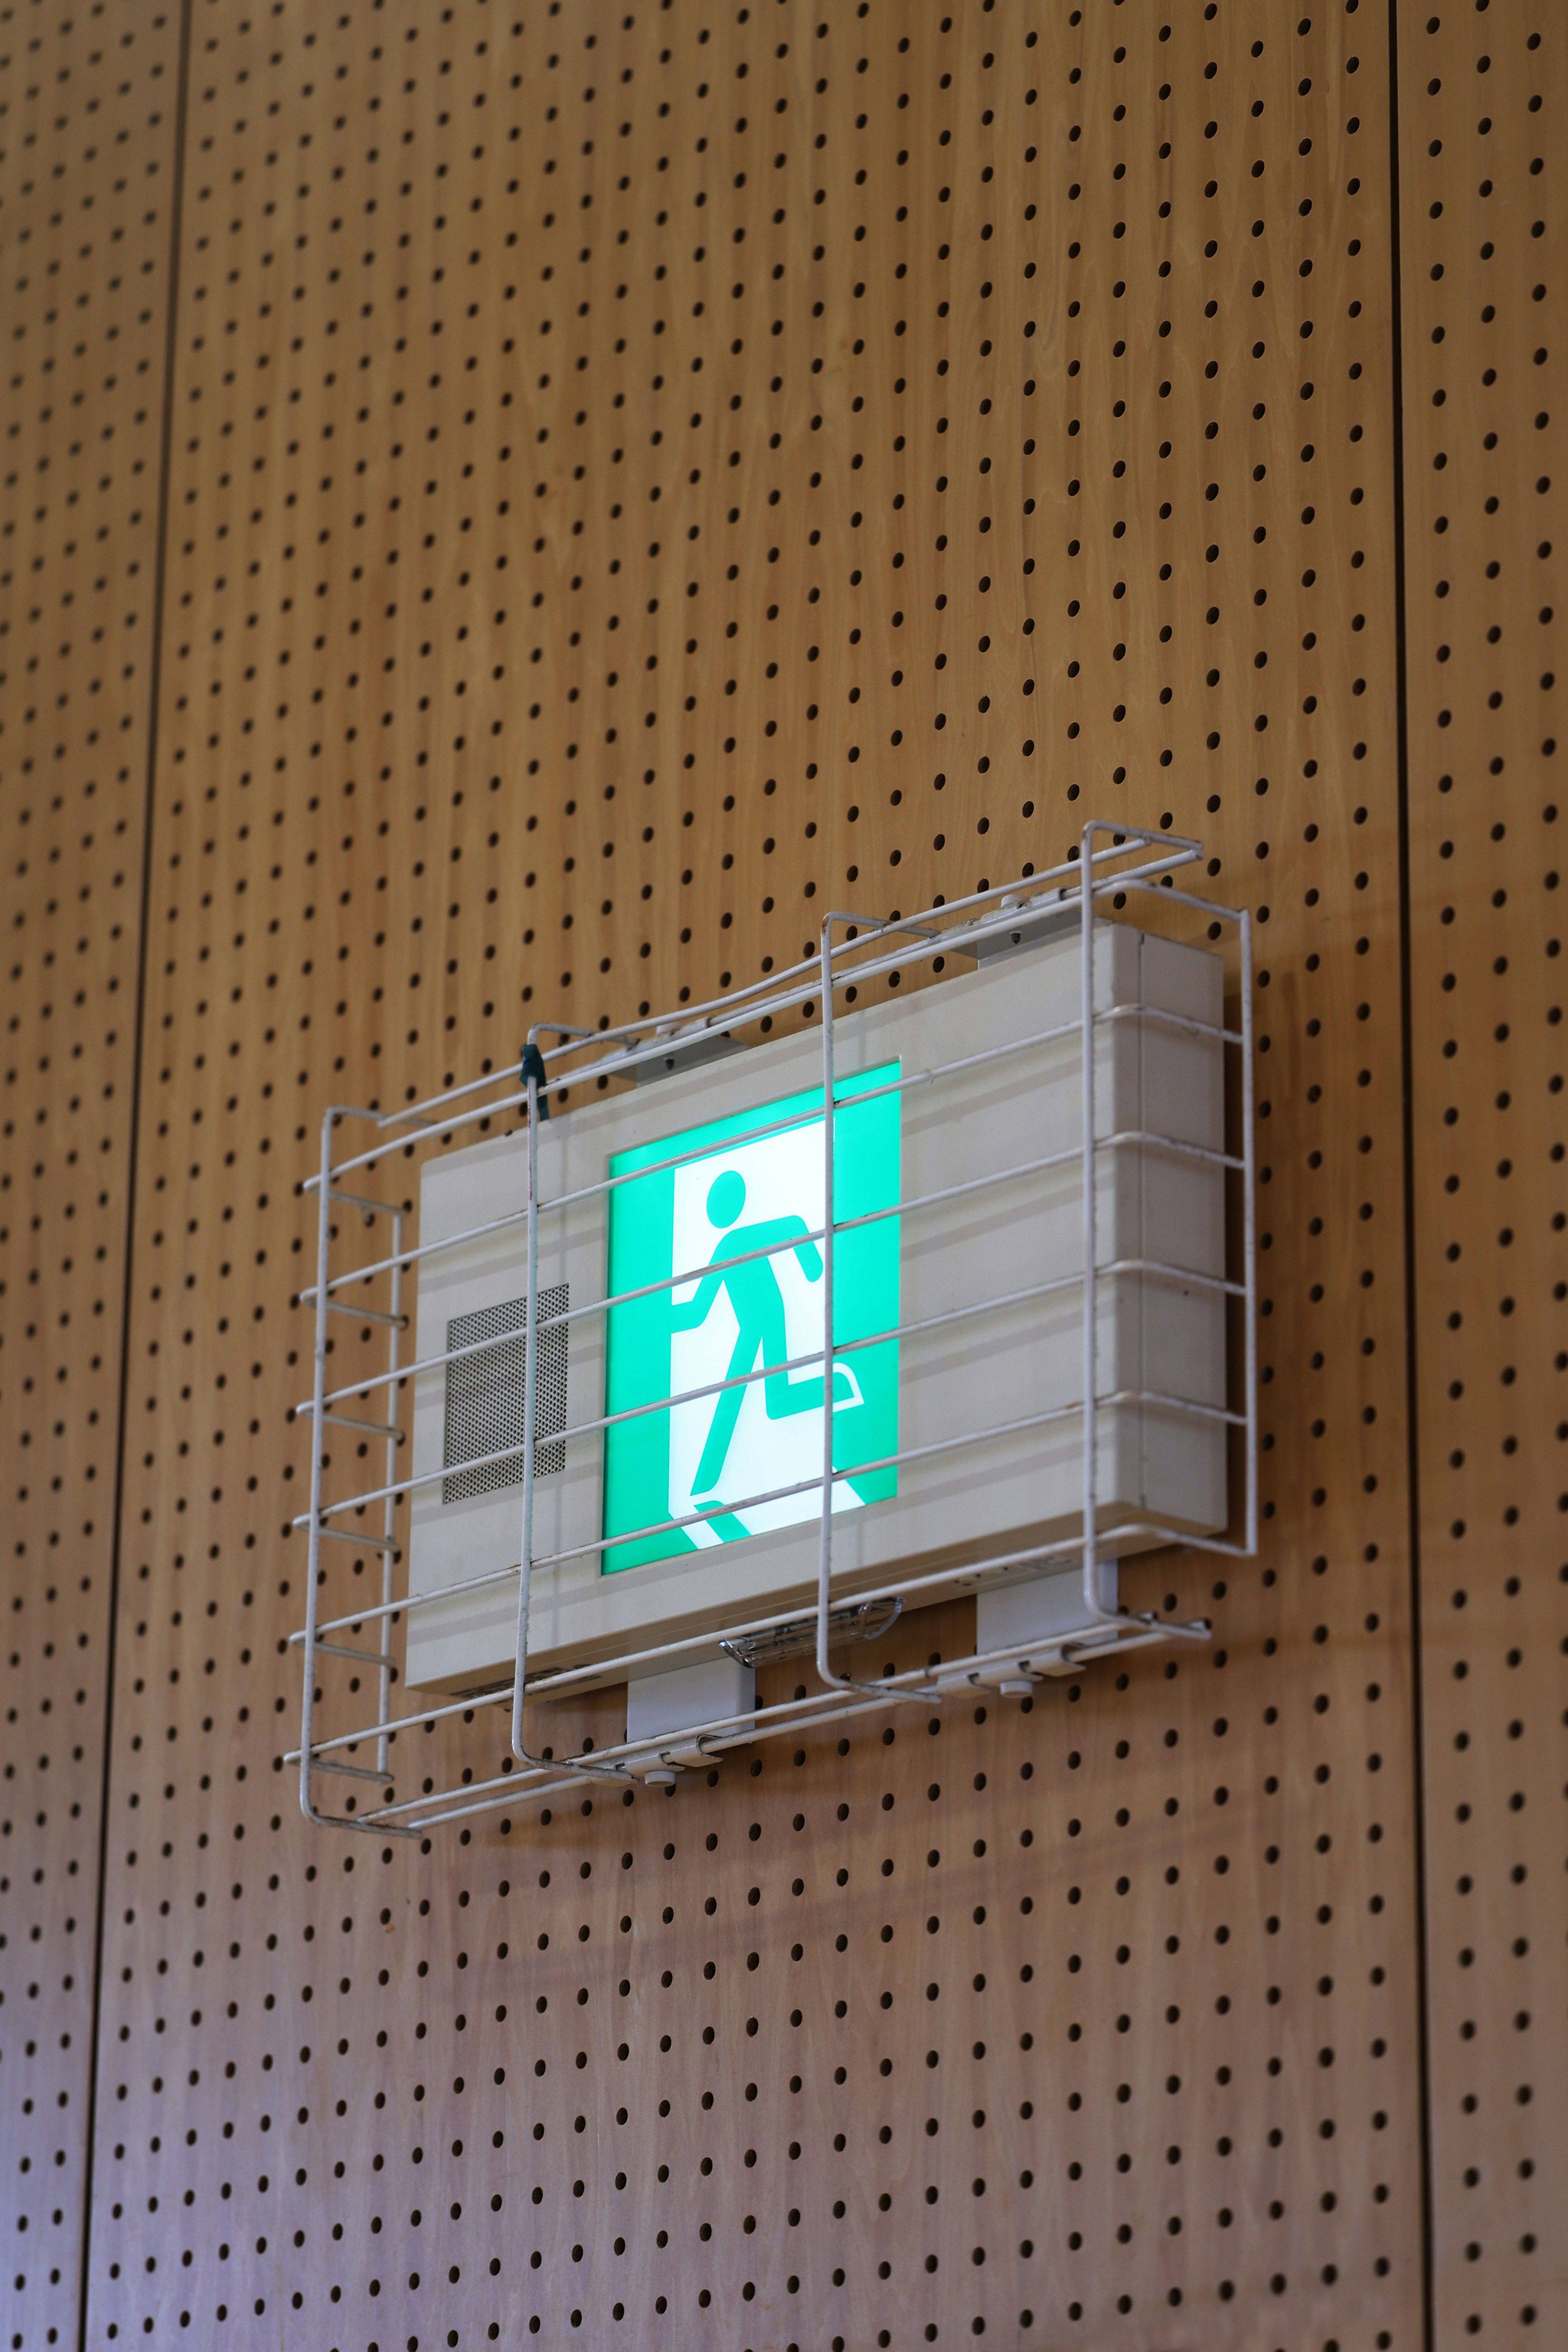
(654, 1531)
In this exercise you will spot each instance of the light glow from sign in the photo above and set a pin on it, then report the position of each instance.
(738, 1194)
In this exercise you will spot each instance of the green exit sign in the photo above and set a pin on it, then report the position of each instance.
(736, 1208)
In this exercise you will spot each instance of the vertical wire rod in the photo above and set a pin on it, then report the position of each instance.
(825, 1533)
(393, 1439)
(313, 1552)
(531, 1376)
(1092, 1598)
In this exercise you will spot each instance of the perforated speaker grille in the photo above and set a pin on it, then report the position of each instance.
(485, 1395)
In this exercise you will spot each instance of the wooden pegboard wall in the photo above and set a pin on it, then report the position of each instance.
(1484, 328)
(344, 392)
(343, 396)
(87, 146)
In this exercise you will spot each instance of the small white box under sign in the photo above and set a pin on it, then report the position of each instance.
(684, 1699)
(957, 1266)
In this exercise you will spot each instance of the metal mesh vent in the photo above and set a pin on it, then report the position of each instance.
(485, 1395)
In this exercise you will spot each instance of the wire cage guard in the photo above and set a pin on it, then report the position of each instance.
(504, 1371)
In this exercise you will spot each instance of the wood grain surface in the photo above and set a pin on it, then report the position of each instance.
(87, 189)
(637, 476)
(1484, 321)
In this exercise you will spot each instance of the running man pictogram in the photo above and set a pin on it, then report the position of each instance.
(758, 1304)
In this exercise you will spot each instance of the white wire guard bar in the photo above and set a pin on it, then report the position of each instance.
(1130, 863)
(705, 1742)
(788, 990)
(406, 1258)
(559, 1683)
(365, 1387)
(929, 1323)
(1153, 1267)
(907, 1455)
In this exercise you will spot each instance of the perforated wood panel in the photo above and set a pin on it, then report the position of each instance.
(863, 451)
(638, 477)
(87, 149)
(1480, 93)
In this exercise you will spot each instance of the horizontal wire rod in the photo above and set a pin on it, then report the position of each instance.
(553, 1686)
(915, 1682)
(662, 1028)
(924, 1200)
(780, 1001)
(914, 1331)
(446, 1592)
(882, 1462)
(1187, 1024)
(519, 1786)
(921, 1203)
(606, 1184)
(917, 1330)
(653, 1168)
(852, 1096)
(604, 1760)
(497, 1697)
(963, 1571)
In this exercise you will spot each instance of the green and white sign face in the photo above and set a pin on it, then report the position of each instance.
(737, 1194)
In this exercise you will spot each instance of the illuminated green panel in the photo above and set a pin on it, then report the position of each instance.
(737, 1192)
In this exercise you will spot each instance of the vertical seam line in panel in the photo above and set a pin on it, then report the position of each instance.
(154, 683)
(1408, 1138)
